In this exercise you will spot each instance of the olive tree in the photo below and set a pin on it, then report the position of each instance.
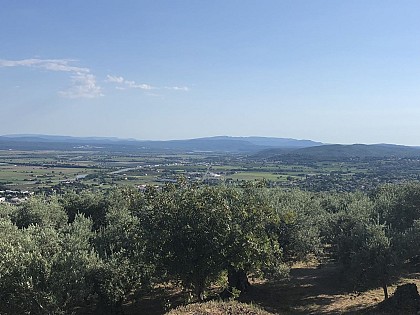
(301, 220)
(199, 232)
(43, 269)
(363, 245)
(122, 267)
(40, 210)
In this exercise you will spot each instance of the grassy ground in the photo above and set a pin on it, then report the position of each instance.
(218, 308)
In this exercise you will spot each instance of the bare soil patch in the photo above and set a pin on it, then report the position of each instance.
(311, 289)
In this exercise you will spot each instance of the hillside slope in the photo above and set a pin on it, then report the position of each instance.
(340, 152)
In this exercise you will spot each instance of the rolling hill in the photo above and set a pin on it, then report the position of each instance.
(341, 152)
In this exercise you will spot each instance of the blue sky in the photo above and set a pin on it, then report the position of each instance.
(338, 71)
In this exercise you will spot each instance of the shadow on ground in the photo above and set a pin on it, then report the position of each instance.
(310, 290)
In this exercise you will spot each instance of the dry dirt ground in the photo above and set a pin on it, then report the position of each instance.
(311, 289)
(318, 290)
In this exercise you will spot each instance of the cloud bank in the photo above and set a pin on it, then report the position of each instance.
(83, 82)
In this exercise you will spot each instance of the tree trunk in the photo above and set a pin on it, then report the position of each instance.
(385, 288)
(199, 293)
(238, 279)
(106, 307)
(199, 290)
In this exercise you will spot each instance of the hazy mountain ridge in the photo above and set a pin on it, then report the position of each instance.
(258, 147)
(59, 138)
(216, 144)
(271, 141)
(340, 151)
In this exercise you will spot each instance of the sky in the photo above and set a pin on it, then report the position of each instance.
(336, 71)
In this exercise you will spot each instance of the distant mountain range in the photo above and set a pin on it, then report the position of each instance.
(256, 147)
(213, 144)
(340, 152)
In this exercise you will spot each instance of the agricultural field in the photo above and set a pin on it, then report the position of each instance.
(47, 171)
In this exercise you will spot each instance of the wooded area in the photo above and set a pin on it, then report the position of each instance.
(96, 250)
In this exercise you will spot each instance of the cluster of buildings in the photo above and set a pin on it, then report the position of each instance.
(14, 196)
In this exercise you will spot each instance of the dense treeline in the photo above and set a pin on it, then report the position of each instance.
(99, 249)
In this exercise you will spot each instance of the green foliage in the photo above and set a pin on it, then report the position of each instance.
(398, 205)
(344, 212)
(407, 243)
(6, 210)
(42, 270)
(367, 248)
(198, 232)
(75, 262)
(40, 210)
(90, 204)
(300, 220)
(188, 227)
(15, 257)
(122, 269)
(368, 256)
(58, 253)
(254, 241)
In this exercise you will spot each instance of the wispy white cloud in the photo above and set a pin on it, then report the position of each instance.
(142, 86)
(83, 81)
(115, 79)
(49, 64)
(83, 86)
(178, 88)
(123, 84)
